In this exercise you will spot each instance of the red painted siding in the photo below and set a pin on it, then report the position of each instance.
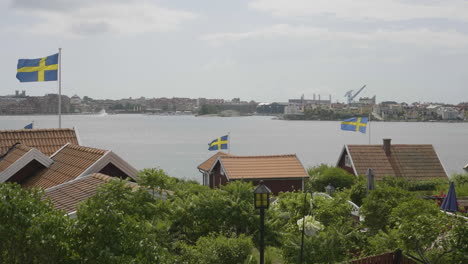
(341, 163)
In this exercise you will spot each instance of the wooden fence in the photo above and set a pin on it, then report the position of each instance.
(387, 258)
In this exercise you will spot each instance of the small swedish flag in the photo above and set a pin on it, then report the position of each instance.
(355, 124)
(219, 143)
(29, 126)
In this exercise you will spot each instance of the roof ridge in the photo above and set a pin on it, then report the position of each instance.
(85, 148)
(36, 130)
(101, 176)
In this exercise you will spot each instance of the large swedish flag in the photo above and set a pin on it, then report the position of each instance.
(219, 143)
(355, 124)
(38, 70)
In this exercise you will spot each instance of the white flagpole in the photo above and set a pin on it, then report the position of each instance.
(60, 87)
(229, 142)
(368, 122)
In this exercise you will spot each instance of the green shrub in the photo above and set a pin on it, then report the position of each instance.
(378, 205)
(460, 178)
(215, 249)
(321, 176)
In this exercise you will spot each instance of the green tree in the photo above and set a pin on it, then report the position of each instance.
(215, 249)
(120, 225)
(156, 180)
(322, 175)
(31, 230)
(378, 205)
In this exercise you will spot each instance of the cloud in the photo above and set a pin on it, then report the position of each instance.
(385, 10)
(418, 37)
(82, 18)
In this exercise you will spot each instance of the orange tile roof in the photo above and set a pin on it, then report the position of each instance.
(15, 153)
(412, 162)
(208, 164)
(69, 163)
(67, 196)
(48, 141)
(263, 167)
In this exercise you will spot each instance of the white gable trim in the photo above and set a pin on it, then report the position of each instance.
(32, 154)
(60, 149)
(77, 136)
(223, 170)
(111, 157)
(440, 161)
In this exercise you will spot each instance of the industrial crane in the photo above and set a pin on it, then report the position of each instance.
(350, 95)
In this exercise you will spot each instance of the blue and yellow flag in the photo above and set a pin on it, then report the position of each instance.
(355, 124)
(29, 126)
(219, 143)
(38, 70)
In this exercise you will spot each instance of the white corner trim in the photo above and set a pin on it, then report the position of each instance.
(111, 157)
(300, 162)
(77, 136)
(60, 149)
(440, 161)
(352, 162)
(32, 154)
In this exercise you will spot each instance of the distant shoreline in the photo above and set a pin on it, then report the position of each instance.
(277, 117)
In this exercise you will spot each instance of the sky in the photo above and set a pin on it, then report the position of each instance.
(262, 50)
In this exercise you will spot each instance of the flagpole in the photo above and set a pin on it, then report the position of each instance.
(60, 88)
(369, 121)
(229, 142)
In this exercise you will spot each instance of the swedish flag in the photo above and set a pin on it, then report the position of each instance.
(219, 143)
(28, 126)
(38, 70)
(355, 124)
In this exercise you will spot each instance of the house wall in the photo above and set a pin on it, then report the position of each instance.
(216, 178)
(30, 169)
(111, 170)
(341, 163)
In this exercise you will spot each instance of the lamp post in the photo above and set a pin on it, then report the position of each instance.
(262, 202)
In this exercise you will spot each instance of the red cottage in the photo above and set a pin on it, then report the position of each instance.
(281, 173)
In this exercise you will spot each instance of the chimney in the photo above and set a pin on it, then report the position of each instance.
(386, 146)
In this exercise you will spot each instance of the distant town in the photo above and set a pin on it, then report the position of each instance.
(315, 108)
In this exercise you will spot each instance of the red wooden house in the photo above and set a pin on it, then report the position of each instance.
(281, 173)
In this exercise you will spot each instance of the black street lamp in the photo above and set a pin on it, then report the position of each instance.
(262, 202)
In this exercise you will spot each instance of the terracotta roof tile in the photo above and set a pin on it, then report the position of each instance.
(15, 153)
(412, 162)
(47, 141)
(263, 167)
(208, 164)
(69, 163)
(67, 196)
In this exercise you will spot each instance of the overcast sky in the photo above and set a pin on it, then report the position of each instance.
(265, 50)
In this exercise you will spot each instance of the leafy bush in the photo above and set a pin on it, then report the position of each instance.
(460, 179)
(31, 230)
(215, 249)
(378, 205)
(358, 191)
(321, 176)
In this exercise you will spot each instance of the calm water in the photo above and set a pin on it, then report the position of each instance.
(178, 144)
